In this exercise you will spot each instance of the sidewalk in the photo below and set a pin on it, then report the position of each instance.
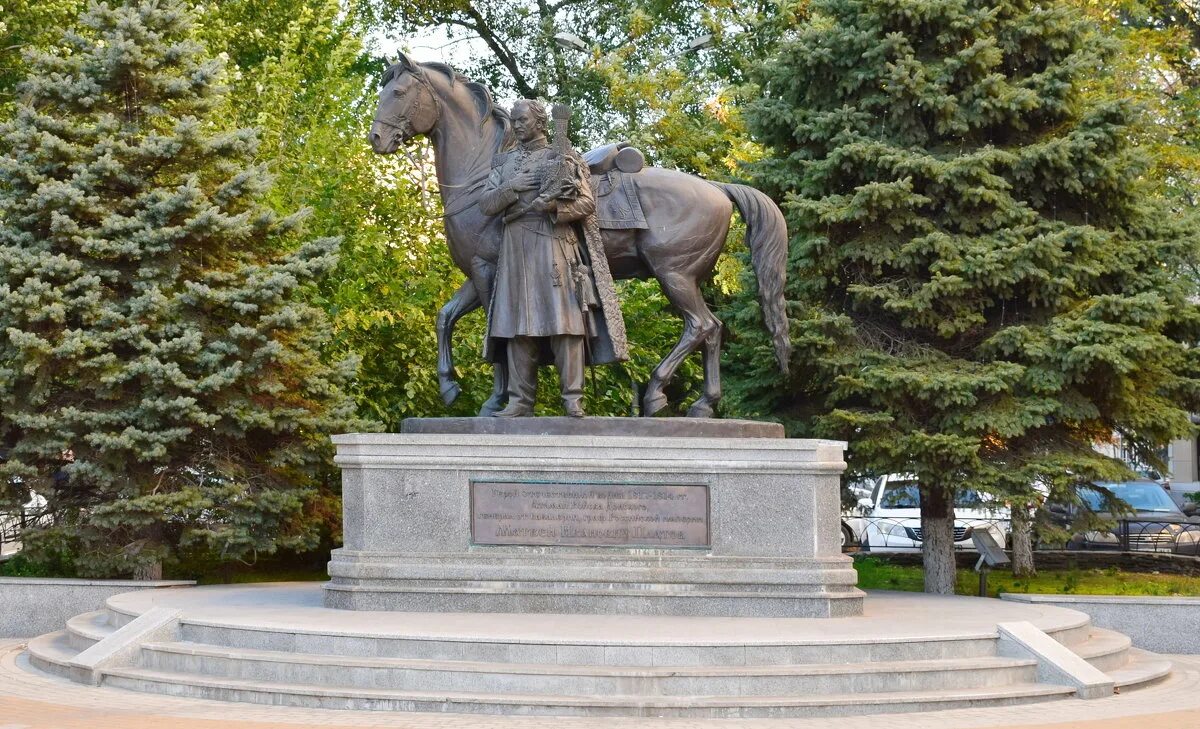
(31, 700)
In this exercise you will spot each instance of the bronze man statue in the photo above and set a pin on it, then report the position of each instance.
(544, 300)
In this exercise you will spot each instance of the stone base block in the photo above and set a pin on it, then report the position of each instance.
(536, 582)
(731, 526)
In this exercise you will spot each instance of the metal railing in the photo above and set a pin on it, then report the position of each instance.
(1140, 535)
(884, 534)
(12, 526)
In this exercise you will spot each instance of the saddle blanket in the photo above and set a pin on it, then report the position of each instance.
(617, 204)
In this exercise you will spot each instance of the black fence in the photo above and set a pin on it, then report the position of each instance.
(13, 525)
(1139, 535)
(891, 534)
(903, 534)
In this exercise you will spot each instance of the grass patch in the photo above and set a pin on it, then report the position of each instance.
(877, 574)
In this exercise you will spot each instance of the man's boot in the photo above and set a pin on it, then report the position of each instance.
(514, 409)
(522, 378)
(573, 408)
(568, 358)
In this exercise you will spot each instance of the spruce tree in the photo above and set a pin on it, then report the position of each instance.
(982, 284)
(160, 379)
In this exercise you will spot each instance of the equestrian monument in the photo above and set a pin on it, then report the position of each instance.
(586, 566)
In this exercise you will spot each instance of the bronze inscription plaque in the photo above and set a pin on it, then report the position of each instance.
(589, 514)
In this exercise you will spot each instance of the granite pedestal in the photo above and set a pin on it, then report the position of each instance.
(543, 522)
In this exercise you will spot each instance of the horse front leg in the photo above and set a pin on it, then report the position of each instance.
(464, 301)
(483, 273)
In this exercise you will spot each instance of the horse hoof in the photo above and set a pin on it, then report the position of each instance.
(700, 409)
(651, 405)
(450, 392)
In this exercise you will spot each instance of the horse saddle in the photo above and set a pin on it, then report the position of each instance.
(614, 168)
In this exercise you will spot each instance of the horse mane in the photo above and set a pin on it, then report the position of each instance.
(484, 101)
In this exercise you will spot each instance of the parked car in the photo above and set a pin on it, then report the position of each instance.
(853, 525)
(890, 519)
(1182, 494)
(1156, 523)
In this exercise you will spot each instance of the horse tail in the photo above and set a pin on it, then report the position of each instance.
(767, 239)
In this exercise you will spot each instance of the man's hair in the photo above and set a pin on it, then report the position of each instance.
(540, 117)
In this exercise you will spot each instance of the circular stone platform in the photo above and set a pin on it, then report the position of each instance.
(887, 616)
(277, 644)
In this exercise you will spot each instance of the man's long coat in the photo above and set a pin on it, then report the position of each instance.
(538, 285)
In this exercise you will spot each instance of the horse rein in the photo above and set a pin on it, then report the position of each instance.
(464, 191)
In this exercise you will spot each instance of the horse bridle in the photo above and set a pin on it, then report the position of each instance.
(405, 128)
(405, 125)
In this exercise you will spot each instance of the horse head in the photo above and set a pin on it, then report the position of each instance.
(408, 106)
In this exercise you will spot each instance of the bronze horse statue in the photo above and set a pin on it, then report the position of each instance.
(688, 219)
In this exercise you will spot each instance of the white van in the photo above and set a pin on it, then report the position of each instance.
(890, 519)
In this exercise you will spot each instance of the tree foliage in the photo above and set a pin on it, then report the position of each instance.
(683, 106)
(983, 279)
(304, 78)
(1159, 66)
(160, 375)
(26, 25)
(613, 82)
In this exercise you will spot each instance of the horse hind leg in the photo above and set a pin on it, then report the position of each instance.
(699, 326)
(706, 406)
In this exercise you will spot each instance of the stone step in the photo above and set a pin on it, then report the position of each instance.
(1075, 635)
(119, 618)
(632, 598)
(332, 697)
(53, 653)
(541, 679)
(89, 628)
(239, 646)
(1107, 650)
(677, 586)
(525, 651)
(1143, 669)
